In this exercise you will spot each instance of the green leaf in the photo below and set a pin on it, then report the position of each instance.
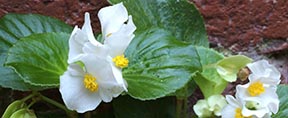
(230, 66)
(282, 92)
(13, 107)
(127, 107)
(180, 17)
(209, 88)
(158, 64)
(12, 28)
(40, 58)
(209, 81)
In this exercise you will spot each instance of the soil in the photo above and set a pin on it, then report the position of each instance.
(256, 28)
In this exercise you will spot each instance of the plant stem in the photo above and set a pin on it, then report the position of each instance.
(181, 108)
(71, 114)
(32, 103)
(28, 97)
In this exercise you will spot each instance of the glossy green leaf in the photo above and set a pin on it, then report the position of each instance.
(209, 81)
(282, 92)
(40, 58)
(180, 17)
(158, 64)
(12, 28)
(230, 66)
(127, 107)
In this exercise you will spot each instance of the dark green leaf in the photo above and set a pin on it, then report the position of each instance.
(158, 64)
(12, 28)
(180, 17)
(40, 58)
(282, 92)
(127, 107)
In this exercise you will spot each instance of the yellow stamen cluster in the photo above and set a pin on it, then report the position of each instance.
(238, 114)
(120, 61)
(90, 83)
(256, 88)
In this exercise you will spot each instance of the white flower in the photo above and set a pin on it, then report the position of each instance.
(206, 108)
(264, 71)
(258, 97)
(262, 85)
(82, 91)
(258, 89)
(101, 78)
(237, 108)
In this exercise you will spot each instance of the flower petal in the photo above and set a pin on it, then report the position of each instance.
(99, 50)
(74, 94)
(119, 41)
(271, 99)
(118, 76)
(266, 80)
(76, 42)
(232, 101)
(112, 18)
(228, 111)
(88, 29)
(262, 68)
(100, 68)
(78, 38)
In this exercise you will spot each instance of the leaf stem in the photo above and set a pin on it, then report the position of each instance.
(28, 97)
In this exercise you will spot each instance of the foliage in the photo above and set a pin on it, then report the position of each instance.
(13, 27)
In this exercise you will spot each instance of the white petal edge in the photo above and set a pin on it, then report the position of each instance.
(118, 76)
(232, 101)
(112, 18)
(228, 111)
(263, 67)
(88, 29)
(119, 41)
(76, 42)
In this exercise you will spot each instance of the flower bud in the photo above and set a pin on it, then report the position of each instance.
(13, 107)
(23, 113)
